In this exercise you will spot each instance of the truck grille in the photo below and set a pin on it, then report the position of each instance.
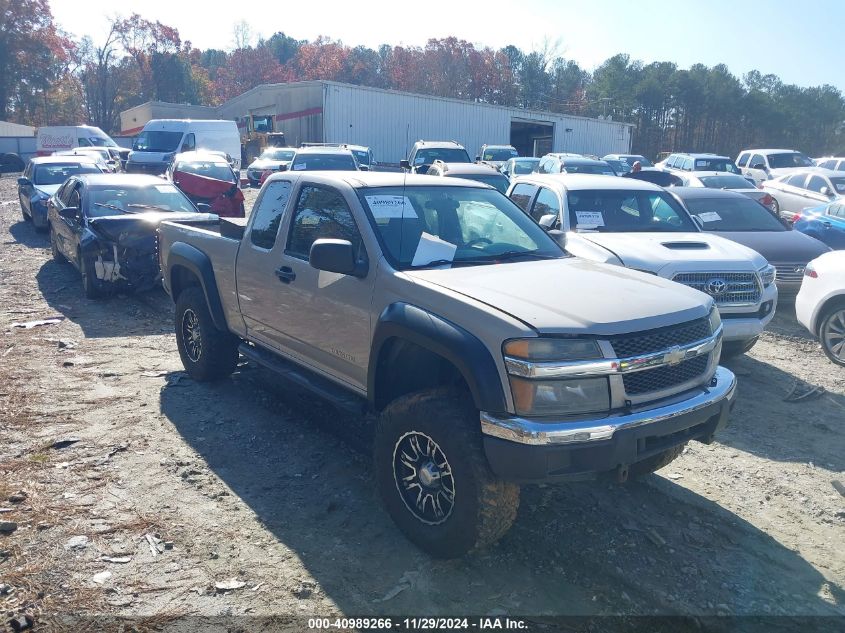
(665, 377)
(727, 289)
(660, 339)
(793, 273)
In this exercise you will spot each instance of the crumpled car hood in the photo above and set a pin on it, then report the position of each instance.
(117, 228)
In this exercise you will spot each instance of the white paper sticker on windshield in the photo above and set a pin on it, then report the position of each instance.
(386, 207)
(431, 249)
(709, 216)
(299, 167)
(589, 218)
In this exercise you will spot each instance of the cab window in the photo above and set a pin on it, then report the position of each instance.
(268, 214)
(546, 204)
(816, 184)
(522, 194)
(743, 160)
(321, 213)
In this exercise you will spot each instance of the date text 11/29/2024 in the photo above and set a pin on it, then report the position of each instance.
(482, 623)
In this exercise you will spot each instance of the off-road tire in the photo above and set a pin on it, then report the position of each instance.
(655, 462)
(217, 356)
(484, 506)
(829, 313)
(90, 283)
(732, 349)
(54, 246)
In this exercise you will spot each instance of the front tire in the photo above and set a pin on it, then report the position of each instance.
(90, 283)
(732, 349)
(433, 477)
(207, 353)
(832, 334)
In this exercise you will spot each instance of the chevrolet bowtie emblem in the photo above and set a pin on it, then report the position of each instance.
(674, 356)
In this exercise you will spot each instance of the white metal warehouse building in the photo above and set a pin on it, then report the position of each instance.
(390, 121)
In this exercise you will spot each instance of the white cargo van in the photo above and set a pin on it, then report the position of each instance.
(161, 139)
(54, 138)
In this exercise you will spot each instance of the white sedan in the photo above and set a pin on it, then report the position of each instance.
(820, 304)
(800, 190)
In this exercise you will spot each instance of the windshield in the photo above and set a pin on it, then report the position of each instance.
(99, 141)
(715, 164)
(498, 181)
(104, 200)
(733, 214)
(327, 162)
(278, 154)
(362, 156)
(499, 153)
(621, 211)
(789, 159)
(525, 166)
(57, 173)
(726, 182)
(446, 154)
(156, 141)
(632, 158)
(453, 225)
(619, 166)
(207, 169)
(578, 168)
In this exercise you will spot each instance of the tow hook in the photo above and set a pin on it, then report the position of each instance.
(622, 473)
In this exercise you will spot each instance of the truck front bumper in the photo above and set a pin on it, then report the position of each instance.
(741, 325)
(527, 451)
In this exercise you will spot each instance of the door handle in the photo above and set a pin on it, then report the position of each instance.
(285, 274)
(826, 225)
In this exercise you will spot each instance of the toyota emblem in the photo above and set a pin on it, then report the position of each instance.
(717, 286)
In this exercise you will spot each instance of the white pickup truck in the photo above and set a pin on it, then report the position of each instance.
(638, 225)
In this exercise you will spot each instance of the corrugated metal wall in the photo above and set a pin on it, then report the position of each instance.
(390, 122)
(15, 129)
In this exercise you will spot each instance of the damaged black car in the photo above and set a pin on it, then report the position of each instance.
(105, 225)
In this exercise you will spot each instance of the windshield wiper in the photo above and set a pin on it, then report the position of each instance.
(506, 255)
(110, 206)
(148, 206)
(436, 262)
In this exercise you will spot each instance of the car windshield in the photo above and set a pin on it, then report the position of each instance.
(789, 159)
(433, 225)
(715, 164)
(326, 162)
(578, 168)
(278, 154)
(362, 156)
(525, 166)
(499, 153)
(99, 141)
(427, 156)
(622, 211)
(733, 214)
(633, 158)
(157, 141)
(726, 182)
(498, 181)
(207, 169)
(619, 166)
(57, 173)
(838, 184)
(104, 200)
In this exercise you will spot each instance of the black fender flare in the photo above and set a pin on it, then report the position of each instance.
(197, 262)
(446, 339)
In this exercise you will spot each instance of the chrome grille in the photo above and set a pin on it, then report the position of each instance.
(789, 272)
(660, 339)
(727, 289)
(665, 377)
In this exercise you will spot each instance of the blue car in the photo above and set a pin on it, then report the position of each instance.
(42, 178)
(825, 223)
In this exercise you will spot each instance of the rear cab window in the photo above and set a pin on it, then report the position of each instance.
(268, 214)
(522, 195)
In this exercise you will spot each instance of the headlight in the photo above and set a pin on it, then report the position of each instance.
(715, 319)
(534, 397)
(767, 275)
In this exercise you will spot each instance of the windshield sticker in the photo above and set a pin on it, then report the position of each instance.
(299, 167)
(431, 249)
(387, 207)
(709, 216)
(419, 161)
(587, 219)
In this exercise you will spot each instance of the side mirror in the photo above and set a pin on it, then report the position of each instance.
(336, 256)
(826, 192)
(559, 237)
(477, 158)
(283, 167)
(24, 182)
(70, 213)
(203, 207)
(405, 163)
(548, 221)
(364, 167)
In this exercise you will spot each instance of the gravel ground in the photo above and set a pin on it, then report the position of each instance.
(164, 488)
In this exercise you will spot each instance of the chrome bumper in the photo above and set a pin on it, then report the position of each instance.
(722, 387)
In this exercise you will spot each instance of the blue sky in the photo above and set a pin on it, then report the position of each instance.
(799, 41)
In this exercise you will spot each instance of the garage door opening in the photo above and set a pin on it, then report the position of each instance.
(532, 138)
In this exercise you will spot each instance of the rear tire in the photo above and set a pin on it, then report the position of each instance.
(655, 462)
(433, 477)
(775, 207)
(832, 333)
(732, 349)
(207, 353)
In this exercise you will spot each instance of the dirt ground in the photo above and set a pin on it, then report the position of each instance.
(135, 490)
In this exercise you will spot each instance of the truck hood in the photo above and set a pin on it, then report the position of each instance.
(266, 163)
(687, 252)
(48, 190)
(573, 296)
(123, 228)
(779, 246)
